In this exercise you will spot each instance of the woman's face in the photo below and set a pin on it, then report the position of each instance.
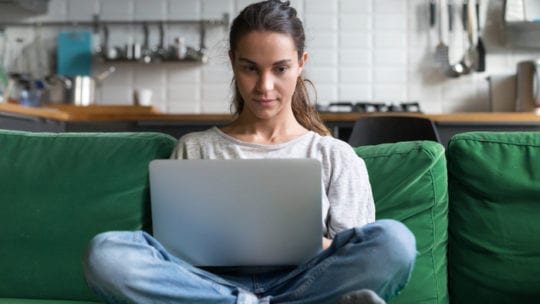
(266, 68)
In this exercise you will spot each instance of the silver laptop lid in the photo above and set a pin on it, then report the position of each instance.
(256, 212)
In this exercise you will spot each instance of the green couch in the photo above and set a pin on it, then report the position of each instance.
(471, 207)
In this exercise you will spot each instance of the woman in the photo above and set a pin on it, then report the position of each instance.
(274, 120)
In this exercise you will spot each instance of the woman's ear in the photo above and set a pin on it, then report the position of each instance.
(231, 57)
(302, 62)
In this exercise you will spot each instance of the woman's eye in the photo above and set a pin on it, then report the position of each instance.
(249, 68)
(282, 69)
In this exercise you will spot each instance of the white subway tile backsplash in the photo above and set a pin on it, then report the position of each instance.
(355, 92)
(390, 40)
(117, 10)
(355, 57)
(360, 75)
(322, 57)
(321, 39)
(183, 10)
(390, 6)
(182, 93)
(500, 64)
(149, 76)
(117, 89)
(82, 9)
(355, 6)
(320, 6)
(183, 74)
(217, 74)
(239, 5)
(326, 93)
(322, 74)
(212, 9)
(150, 10)
(355, 40)
(396, 22)
(390, 92)
(109, 95)
(352, 22)
(322, 22)
(424, 94)
(393, 57)
(390, 75)
(460, 90)
(216, 92)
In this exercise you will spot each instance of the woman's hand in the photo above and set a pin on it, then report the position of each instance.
(326, 243)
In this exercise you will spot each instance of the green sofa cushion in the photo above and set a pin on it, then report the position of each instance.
(494, 243)
(409, 184)
(58, 191)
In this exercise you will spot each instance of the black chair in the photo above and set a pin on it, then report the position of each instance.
(389, 129)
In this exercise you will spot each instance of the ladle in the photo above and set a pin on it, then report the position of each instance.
(464, 66)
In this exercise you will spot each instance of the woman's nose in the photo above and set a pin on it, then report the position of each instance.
(266, 82)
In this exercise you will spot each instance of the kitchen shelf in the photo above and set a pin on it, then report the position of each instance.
(100, 59)
(96, 22)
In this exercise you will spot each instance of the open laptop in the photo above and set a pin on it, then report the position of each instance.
(251, 212)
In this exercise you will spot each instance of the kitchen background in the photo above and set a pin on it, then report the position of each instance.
(360, 51)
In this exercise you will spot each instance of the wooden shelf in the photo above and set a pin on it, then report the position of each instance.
(139, 113)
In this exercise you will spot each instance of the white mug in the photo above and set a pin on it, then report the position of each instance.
(143, 97)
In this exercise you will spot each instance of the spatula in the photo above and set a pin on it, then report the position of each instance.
(480, 48)
(441, 51)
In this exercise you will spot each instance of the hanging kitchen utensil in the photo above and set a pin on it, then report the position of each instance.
(441, 51)
(472, 33)
(453, 70)
(432, 12)
(74, 55)
(480, 48)
(463, 67)
(161, 50)
(146, 50)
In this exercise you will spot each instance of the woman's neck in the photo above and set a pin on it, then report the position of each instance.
(266, 132)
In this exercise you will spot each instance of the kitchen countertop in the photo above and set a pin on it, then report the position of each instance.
(98, 113)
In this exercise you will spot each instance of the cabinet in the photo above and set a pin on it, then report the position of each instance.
(522, 23)
(32, 6)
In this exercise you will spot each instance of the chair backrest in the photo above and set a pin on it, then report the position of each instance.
(389, 129)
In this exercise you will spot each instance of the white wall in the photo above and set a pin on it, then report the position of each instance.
(360, 50)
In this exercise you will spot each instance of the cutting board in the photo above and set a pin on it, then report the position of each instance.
(74, 54)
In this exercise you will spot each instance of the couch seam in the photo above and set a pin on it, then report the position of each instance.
(491, 141)
(420, 149)
(437, 282)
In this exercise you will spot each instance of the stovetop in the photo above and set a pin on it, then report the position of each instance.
(370, 107)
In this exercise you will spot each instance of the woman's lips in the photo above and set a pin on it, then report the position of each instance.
(265, 101)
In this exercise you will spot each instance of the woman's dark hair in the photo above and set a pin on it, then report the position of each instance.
(279, 17)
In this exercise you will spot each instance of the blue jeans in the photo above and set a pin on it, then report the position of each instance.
(132, 267)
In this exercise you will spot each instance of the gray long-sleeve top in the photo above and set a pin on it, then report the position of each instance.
(347, 199)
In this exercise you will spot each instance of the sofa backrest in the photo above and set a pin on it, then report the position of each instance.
(494, 234)
(409, 184)
(57, 192)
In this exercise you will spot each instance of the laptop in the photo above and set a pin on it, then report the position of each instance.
(250, 212)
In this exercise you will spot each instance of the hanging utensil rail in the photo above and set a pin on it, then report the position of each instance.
(96, 22)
